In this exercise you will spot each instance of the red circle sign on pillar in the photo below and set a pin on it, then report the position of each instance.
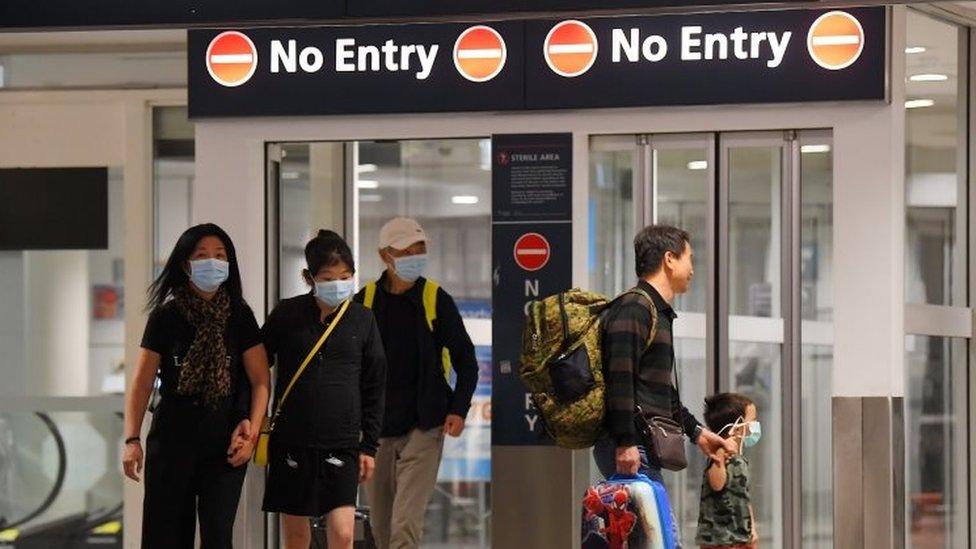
(532, 251)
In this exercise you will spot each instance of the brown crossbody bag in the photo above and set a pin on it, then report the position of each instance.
(664, 435)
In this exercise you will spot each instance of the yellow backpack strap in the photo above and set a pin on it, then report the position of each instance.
(430, 311)
(370, 295)
(430, 302)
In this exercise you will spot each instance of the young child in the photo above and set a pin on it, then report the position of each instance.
(725, 518)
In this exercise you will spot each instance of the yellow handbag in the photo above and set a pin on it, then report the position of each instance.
(268, 425)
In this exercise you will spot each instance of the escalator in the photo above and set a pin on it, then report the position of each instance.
(59, 481)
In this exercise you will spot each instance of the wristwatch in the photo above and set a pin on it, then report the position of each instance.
(696, 433)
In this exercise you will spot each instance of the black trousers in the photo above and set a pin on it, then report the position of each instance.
(187, 475)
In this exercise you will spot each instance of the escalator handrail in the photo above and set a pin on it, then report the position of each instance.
(59, 482)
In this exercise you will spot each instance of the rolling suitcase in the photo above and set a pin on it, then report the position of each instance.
(623, 513)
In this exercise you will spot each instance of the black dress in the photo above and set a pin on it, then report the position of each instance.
(186, 451)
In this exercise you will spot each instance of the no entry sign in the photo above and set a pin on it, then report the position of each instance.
(835, 40)
(231, 59)
(479, 53)
(688, 59)
(570, 48)
(532, 251)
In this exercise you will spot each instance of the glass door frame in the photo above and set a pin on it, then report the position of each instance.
(694, 325)
(645, 188)
(786, 330)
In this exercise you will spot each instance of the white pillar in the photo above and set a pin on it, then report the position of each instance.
(58, 294)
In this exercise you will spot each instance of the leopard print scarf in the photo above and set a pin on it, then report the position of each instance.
(205, 371)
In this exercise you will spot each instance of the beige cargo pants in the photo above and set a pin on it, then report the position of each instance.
(403, 482)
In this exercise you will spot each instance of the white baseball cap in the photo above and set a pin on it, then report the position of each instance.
(400, 233)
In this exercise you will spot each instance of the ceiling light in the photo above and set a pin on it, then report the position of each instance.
(928, 77)
(918, 103)
(464, 199)
(289, 176)
(366, 168)
(813, 149)
(367, 184)
(915, 49)
(370, 198)
(698, 165)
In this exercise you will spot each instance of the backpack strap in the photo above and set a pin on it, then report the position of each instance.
(430, 302)
(431, 290)
(637, 290)
(370, 296)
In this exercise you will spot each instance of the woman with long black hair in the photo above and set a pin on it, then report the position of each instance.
(328, 398)
(205, 346)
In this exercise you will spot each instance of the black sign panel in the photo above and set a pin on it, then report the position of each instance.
(532, 257)
(706, 59)
(701, 59)
(54, 209)
(332, 70)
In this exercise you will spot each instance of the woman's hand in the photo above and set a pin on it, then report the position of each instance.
(243, 453)
(242, 442)
(132, 459)
(366, 466)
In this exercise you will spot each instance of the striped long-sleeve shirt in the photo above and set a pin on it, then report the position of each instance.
(638, 376)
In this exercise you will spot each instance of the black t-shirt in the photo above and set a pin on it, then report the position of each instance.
(403, 363)
(170, 334)
(337, 403)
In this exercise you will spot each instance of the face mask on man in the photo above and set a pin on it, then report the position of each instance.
(411, 267)
(334, 292)
(208, 274)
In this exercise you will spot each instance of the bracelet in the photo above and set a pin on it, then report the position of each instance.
(130, 440)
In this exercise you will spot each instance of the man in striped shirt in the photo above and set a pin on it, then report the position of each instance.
(638, 373)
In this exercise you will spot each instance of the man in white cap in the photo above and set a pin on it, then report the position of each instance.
(425, 340)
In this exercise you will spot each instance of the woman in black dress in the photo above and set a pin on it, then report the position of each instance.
(204, 344)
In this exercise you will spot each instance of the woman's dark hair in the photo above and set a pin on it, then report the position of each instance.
(174, 275)
(325, 250)
(723, 409)
(653, 242)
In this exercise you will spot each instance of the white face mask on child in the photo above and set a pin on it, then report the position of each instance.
(755, 431)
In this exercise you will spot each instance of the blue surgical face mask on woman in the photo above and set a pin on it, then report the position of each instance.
(208, 274)
(411, 267)
(334, 292)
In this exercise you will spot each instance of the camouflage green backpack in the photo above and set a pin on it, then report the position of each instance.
(562, 363)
